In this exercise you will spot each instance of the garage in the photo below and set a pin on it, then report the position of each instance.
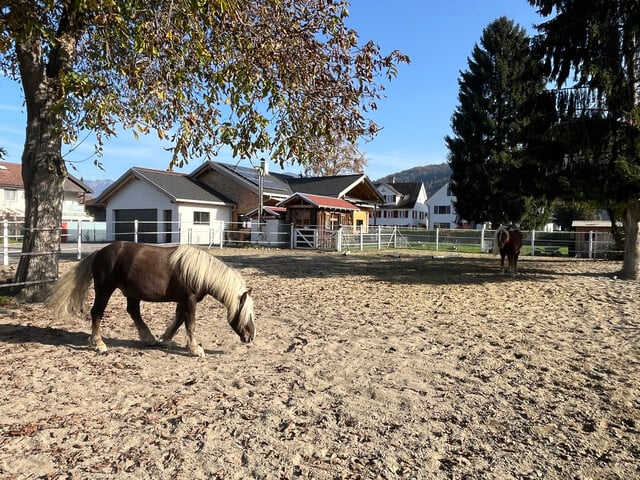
(124, 227)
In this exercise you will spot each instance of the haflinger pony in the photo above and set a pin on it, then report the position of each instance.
(508, 241)
(182, 274)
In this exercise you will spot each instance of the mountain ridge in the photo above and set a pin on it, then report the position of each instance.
(433, 176)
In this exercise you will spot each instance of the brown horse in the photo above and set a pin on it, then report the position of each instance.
(182, 274)
(508, 241)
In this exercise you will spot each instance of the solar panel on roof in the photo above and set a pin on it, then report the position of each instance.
(254, 177)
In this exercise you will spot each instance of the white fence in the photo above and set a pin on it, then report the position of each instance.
(79, 236)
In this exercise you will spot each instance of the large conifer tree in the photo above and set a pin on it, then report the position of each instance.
(592, 52)
(491, 123)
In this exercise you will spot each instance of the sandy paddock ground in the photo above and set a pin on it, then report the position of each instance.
(378, 365)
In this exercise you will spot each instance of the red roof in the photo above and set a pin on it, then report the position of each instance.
(321, 201)
(11, 175)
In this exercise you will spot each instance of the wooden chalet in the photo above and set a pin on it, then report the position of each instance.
(305, 210)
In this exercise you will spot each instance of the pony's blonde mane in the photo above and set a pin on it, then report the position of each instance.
(206, 274)
(496, 247)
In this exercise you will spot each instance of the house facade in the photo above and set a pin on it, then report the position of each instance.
(157, 206)
(242, 186)
(356, 189)
(441, 210)
(305, 210)
(154, 206)
(12, 196)
(405, 204)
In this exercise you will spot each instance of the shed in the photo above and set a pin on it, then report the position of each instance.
(308, 210)
(593, 238)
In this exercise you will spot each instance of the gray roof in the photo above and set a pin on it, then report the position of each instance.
(327, 186)
(409, 192)
(177, 186)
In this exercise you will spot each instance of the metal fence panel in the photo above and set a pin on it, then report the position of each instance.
(274, 234)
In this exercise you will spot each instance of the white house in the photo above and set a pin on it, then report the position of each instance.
(442, 213)
(12, 199)
(163, 207)
(405, 204)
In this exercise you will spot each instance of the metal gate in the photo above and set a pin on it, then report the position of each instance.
(315, 239)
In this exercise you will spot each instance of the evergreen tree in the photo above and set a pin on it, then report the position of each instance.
(592, 52)
(491, 123)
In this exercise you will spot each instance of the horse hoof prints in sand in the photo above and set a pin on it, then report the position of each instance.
(182, 274)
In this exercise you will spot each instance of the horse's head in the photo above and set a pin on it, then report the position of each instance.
(242, 320)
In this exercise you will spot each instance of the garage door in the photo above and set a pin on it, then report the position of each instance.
(147, 224)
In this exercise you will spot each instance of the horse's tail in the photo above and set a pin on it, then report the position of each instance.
(69, 292)
(496, 239)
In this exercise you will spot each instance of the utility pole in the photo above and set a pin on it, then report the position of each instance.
(262, 171)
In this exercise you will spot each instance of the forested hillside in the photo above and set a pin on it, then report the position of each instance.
(433, 176)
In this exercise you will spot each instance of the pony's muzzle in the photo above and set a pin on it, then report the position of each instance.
(248, 335)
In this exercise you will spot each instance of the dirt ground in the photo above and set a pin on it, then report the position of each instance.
(384, 365)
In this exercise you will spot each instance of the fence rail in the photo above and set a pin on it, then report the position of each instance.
(79, 237)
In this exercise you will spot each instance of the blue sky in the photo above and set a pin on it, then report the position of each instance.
(438, 36)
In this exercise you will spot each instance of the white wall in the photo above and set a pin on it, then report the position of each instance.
(440, 198)
(71, 208)
(17, 204)
(137, 195)
(401, 220)
(140, 195)
(202, 234)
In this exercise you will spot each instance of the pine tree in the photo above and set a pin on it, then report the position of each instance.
(491, 124)
(592, 52)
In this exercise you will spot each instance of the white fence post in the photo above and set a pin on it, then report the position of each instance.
(5, 241)
(79, 239)
(379, 237)
(437, 239)
(361, 239)
(339, 240)
(591, 234)
(135, 231)
(533, 242)
(482, 248)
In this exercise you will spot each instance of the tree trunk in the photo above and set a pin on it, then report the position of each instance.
(630, 264)
(43, 174)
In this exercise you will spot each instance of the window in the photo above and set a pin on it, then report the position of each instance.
(442, 209)
(440, 225)
(201, 218)
(10, 194)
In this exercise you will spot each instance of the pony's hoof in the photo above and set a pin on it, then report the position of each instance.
(150, 340)
(168, 344)
(198, 351)
(101, 348)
